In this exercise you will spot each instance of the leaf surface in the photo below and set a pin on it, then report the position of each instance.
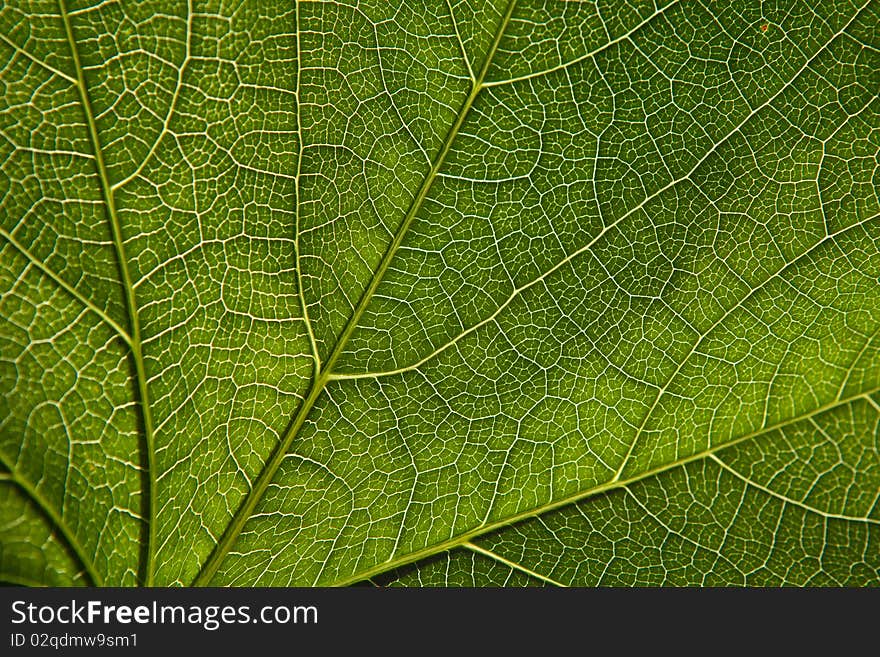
(523, 292)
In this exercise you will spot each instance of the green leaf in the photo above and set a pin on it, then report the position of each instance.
(796, 505)
(466, 293)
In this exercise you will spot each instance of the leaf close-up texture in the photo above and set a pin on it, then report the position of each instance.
(454, 293)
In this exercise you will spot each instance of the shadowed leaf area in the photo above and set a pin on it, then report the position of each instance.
(449, 293)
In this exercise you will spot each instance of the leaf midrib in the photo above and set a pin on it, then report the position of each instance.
(134, 333)
(323, 375)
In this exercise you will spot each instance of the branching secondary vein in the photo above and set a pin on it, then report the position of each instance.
(322, 376)
(462, 539)
(55, 518)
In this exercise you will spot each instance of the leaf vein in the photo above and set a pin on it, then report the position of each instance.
(128, 293)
